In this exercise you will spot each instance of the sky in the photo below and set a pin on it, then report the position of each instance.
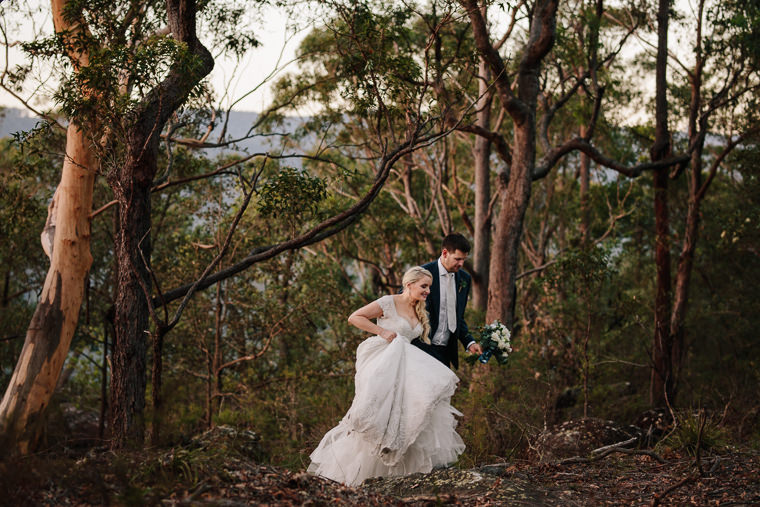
(246, 81)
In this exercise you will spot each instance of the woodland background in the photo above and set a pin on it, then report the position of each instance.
(602, 157)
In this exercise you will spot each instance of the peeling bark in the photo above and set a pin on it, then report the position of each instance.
(48, 338)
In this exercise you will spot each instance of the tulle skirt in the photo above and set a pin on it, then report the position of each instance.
(400, 421)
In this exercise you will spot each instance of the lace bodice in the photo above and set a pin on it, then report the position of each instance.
(393, 321)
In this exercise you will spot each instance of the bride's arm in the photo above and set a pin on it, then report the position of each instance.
(361, 319)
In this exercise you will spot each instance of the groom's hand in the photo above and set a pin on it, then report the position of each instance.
(475, 349)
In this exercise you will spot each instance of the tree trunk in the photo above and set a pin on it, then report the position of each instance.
(66, 240)
(131, 184)
(661, 379)
(585, 165)
(514, 196)
(156, 381)
(22, 411)
(217, 358)
(515, 186)
(482, 228)
(697, 132)
(585, 160)
(132, 248)
(683, 275)
(661, 383)
(104, 382)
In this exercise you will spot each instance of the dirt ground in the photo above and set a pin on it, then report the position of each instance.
(181, 477)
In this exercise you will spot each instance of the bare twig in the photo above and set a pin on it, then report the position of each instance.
(604, 454)
(539, 268)
(614, 446)
(220, 255)
(698, 452)
(659, 496)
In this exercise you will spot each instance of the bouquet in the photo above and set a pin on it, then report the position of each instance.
(494, 340)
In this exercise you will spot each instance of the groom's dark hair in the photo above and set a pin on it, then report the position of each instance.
(455, 241)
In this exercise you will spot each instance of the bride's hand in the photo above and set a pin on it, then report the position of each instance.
(388, 335)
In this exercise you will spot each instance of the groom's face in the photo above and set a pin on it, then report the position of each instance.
(452, 261)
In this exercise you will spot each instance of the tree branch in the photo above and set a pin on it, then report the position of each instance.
(319, 232)
(552, 157)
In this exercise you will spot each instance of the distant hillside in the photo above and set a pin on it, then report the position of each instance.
(18, 120)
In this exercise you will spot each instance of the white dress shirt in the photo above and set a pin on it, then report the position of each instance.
(442, 334)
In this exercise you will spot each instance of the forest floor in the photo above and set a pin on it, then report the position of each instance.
(226, 474)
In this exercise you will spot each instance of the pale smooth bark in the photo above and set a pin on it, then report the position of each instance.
(48, 338)
(66, 240)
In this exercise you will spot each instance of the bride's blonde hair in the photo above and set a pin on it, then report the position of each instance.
(413, 275)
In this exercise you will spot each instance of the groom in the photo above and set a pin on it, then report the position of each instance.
(446, 303)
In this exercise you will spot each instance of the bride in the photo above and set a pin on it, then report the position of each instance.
(400, 421)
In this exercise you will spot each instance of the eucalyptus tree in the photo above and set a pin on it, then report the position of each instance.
(518, 89)
(423, 57)
(369, 85)
(126, 71)
(712, 94)
(67, 245)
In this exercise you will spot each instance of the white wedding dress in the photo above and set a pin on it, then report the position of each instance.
(400, 421)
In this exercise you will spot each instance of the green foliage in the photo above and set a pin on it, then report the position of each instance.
(696, 429)
(228, 25)
(369, 47)
(737, 28)
(291, 193)
(94, 90)
(585, 269)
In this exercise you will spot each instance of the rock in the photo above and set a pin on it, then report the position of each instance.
(579, 437)
(451, 486)
(497, 469)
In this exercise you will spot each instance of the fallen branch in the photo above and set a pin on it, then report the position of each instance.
(435, 500)
(658, 497)
(610, 450)
(614, 446)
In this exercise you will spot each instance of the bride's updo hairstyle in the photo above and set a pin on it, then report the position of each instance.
(412, 276)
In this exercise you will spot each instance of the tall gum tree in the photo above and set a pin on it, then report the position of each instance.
(661, 378)
(719, 87)
(132, 116)
(66, 240)
(518, 92)
(131, 183)
(514, 187)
